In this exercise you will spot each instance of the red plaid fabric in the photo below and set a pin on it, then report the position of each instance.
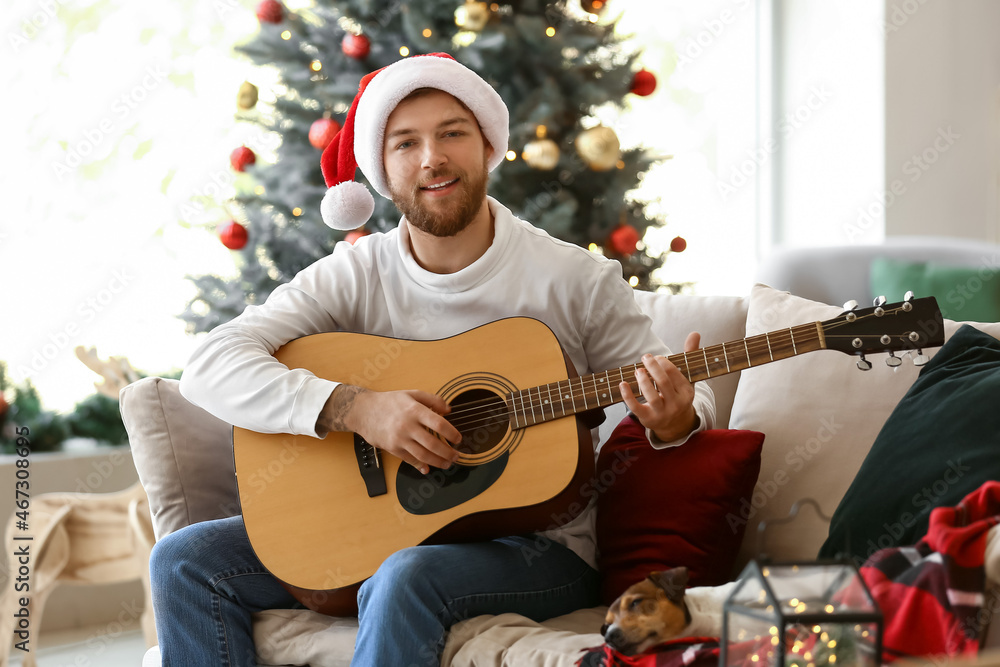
(931, 594)
(689, 651)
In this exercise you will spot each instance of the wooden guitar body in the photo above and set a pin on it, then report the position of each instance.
(306, 504)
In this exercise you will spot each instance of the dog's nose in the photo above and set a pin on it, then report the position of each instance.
(615, 638)
(604, 628)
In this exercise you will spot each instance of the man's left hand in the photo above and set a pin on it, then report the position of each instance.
(668, 409)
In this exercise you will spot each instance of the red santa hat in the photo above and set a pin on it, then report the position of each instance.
(348, 204)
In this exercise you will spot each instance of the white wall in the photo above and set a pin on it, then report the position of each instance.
(942, 60)
(905, 137)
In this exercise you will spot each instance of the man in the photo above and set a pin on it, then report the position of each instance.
(426, 131)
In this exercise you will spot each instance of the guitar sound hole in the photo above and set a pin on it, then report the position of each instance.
(481, 417)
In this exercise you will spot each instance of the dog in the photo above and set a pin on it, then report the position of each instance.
(660, 608)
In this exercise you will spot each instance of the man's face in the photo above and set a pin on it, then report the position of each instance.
(435, 162)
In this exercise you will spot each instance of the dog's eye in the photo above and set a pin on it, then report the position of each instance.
(635, 603)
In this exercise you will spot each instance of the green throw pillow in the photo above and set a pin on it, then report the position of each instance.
(964, 293)
(940, 443)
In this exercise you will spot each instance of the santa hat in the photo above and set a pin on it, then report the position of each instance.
(348, 204)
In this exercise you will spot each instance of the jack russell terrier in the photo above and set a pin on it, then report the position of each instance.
(658, 609)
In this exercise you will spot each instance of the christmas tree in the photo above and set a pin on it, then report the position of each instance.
(556, 65)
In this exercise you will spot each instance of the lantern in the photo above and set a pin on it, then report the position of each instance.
(797, 614)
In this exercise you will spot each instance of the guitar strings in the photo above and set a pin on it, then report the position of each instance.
(538, 398)
(486, 411)
(578, 390)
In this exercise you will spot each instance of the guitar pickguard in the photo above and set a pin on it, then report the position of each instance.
(440, 490)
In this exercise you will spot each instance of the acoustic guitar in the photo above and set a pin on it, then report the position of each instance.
(322, 515)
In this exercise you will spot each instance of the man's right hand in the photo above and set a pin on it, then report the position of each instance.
(403, 423)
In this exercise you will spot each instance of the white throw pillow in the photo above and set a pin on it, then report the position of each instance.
(820, 415)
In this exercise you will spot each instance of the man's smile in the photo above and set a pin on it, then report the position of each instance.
(440, 185)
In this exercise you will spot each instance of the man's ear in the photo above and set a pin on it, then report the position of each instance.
(672, 582)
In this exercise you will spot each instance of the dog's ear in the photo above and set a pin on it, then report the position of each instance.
(672, 581)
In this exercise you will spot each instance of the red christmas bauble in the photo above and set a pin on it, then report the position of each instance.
(233, 235)
(624, 239)
(352, 237)
(322, 132)
(643, 83)
(356, 46)
(678, 244)
(270, 11)
(241, 158)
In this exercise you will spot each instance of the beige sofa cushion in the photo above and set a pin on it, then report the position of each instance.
(820, 416)
(719, 319)
(184, 455)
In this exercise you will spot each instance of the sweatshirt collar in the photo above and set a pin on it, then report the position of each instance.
(471, 275)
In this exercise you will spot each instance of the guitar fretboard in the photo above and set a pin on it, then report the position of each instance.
(568, 397)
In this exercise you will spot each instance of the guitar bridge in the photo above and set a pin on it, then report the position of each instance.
(370, 466)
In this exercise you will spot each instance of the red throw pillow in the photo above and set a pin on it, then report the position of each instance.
(663, 508)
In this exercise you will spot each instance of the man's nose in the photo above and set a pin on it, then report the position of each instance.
(433, 157)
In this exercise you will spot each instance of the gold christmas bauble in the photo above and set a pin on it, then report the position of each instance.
(247, 97)
(472, 16)
(541, 154)
(599, 147)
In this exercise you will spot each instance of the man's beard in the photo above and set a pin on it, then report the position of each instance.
(458, 215)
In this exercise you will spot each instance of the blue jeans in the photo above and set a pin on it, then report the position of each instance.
(206, 581)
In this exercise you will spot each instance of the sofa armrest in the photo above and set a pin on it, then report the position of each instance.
(184, 455)
(837, 274)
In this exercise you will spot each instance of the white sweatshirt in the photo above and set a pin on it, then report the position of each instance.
(376, 286)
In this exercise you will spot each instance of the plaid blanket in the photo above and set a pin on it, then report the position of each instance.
(689, 651)
(931, 594)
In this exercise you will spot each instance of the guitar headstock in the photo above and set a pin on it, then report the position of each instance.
(910, 324)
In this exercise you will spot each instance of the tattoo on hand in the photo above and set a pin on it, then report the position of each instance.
(341, 403)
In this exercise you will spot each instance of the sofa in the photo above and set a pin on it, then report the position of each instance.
(820, 417)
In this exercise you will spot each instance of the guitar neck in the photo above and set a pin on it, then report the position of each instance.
(568, 397)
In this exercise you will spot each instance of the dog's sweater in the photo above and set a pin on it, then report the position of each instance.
(704, 603)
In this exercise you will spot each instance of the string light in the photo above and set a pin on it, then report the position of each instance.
(511, 156)
(404, 51)
(296, 211)
(286, 35)
(316, 66)
(550, 31)
(427, 32)
(541, 131)
(259, 190)
(633, 281)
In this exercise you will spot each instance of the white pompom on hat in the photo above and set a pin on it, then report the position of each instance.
(348, 204)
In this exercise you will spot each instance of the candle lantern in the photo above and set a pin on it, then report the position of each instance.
(801, 614)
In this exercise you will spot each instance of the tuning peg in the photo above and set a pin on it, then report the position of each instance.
(892, 361)
(864, 364)
(851, 305)
(907, 302)
(878, 303)
(921, 358)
